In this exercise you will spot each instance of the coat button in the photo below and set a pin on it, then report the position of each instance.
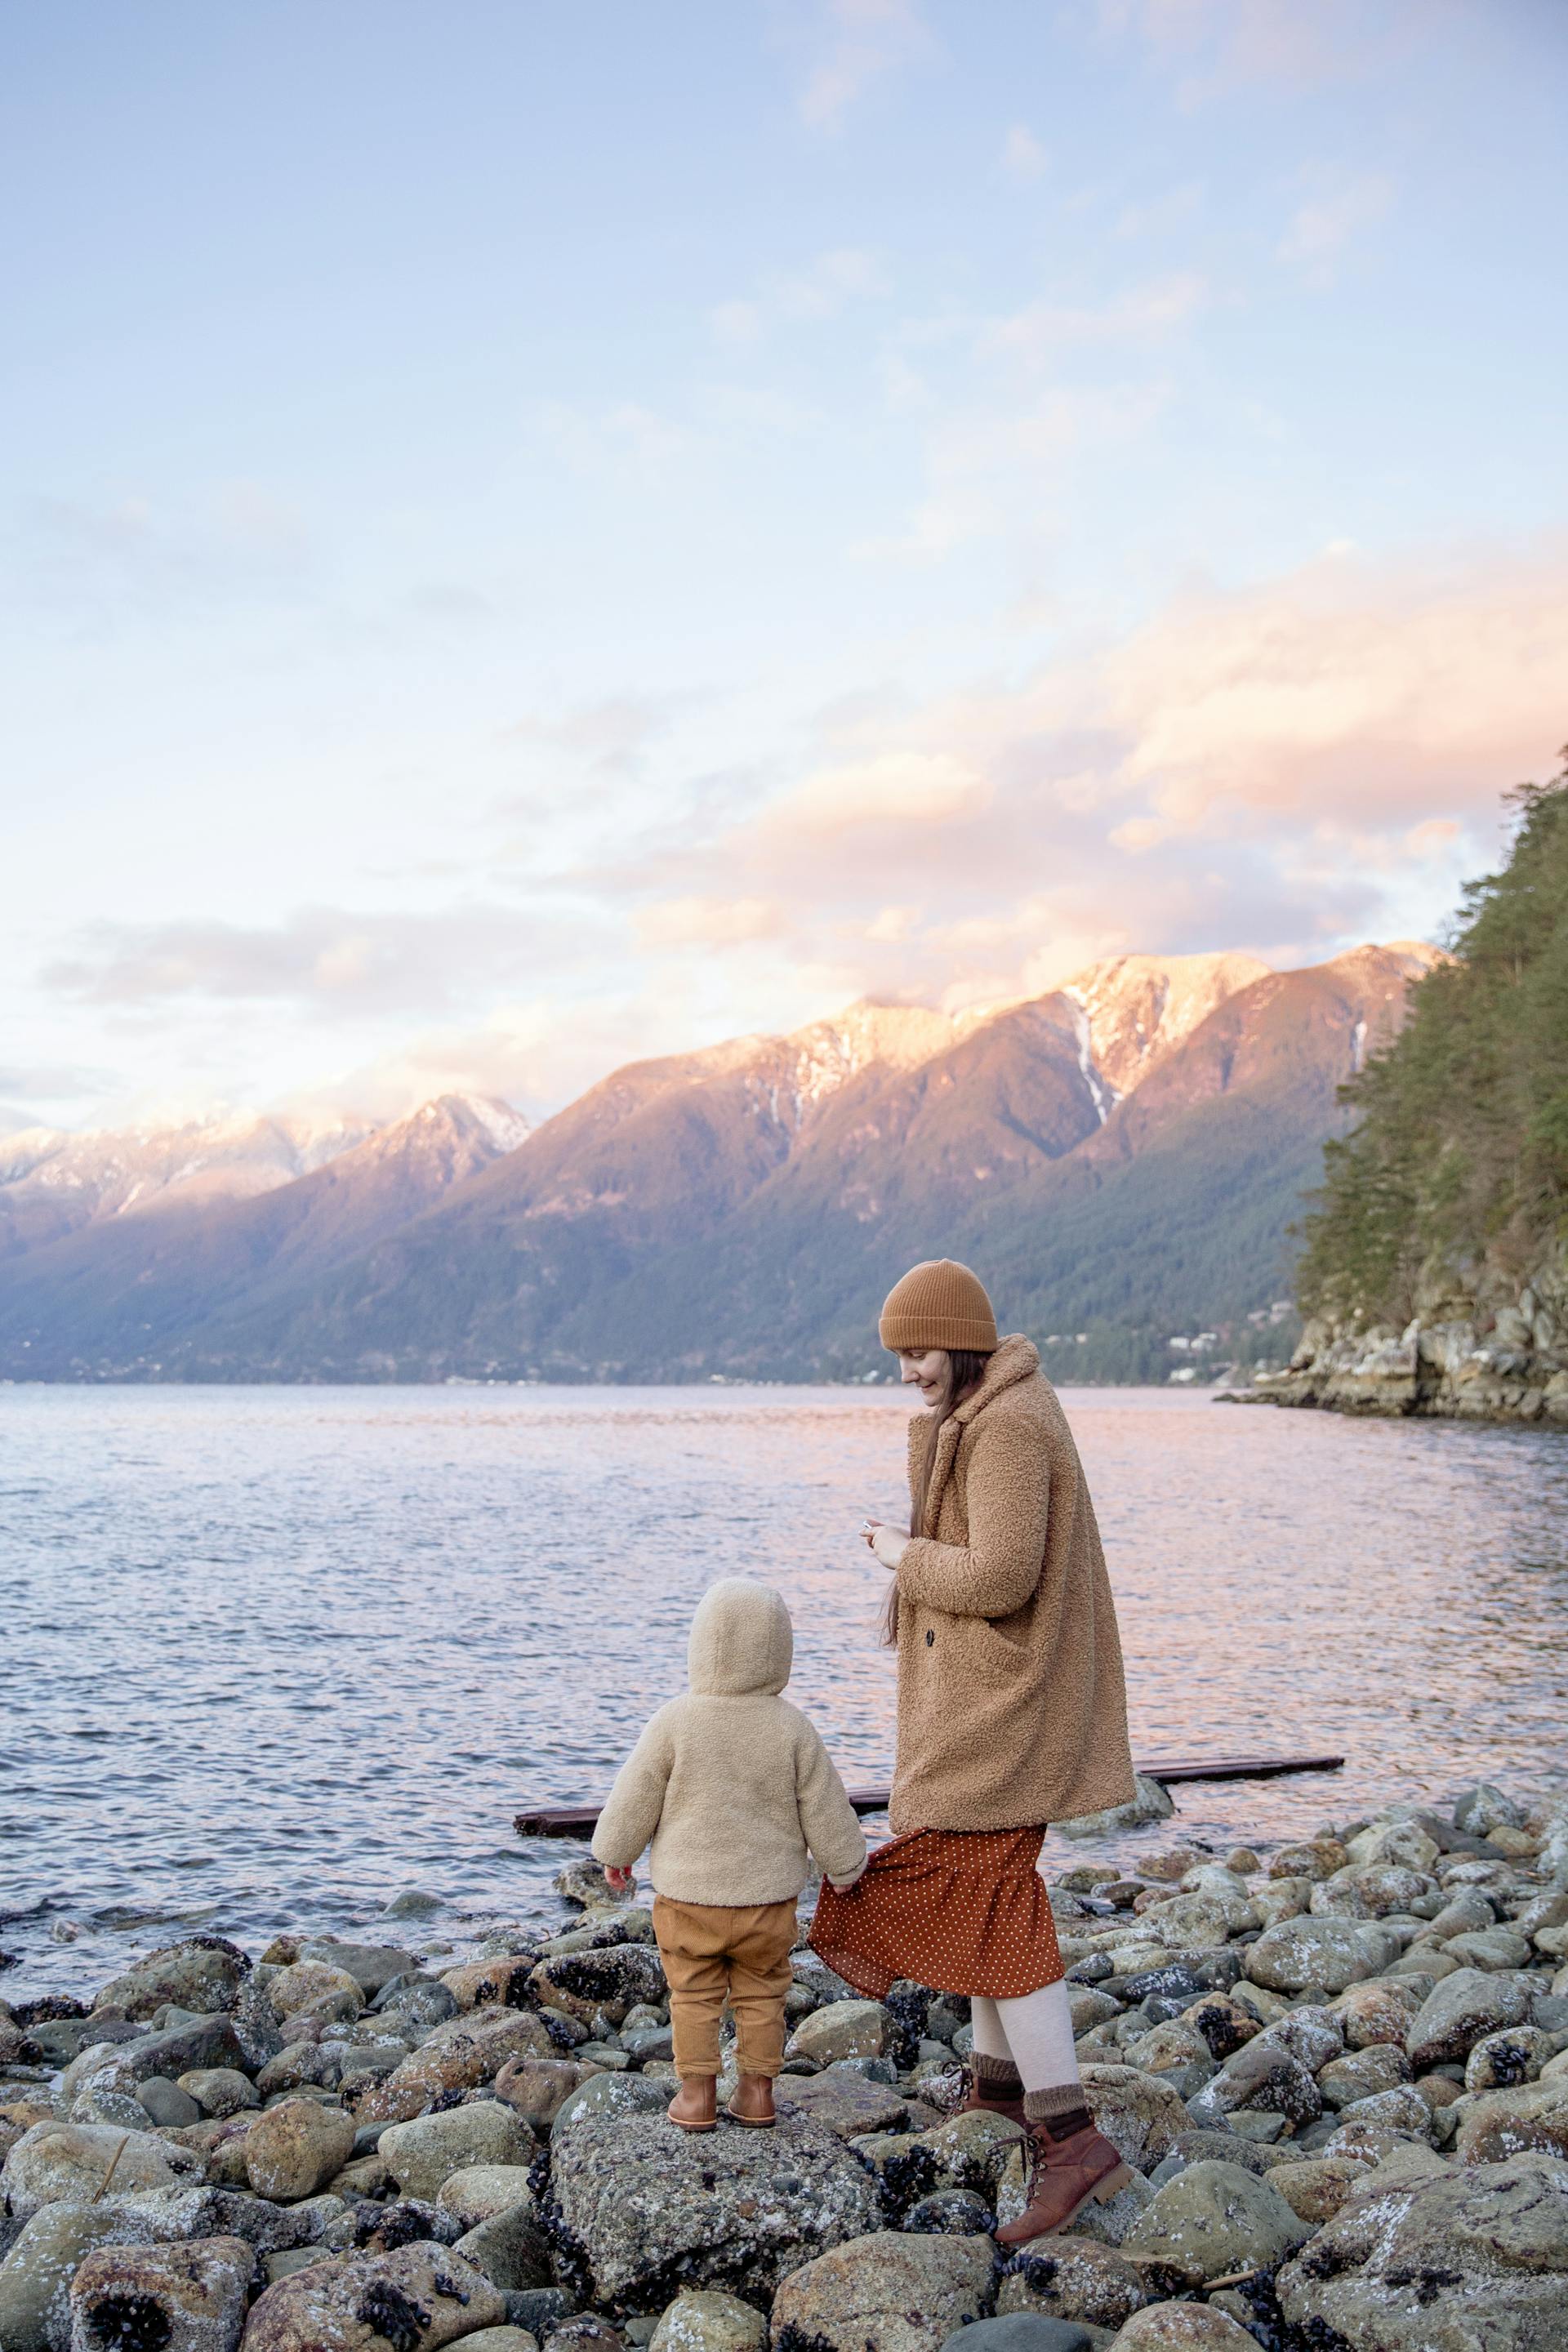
(931, 1635)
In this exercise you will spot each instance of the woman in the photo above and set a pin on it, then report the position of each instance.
(1012, 1714)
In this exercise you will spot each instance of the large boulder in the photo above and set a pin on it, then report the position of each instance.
(1148, 1802)
(900, 2292)
(479, 2192)
(1490, 1947)
(1375, 2012)
(422, 2154)
(220, 2091)
(204, 1974)
(842, 2098)
(1140, 2116)
(1460, 2011)
(510, 2248)
(1404, 1842)
(1317, 2187)
(1319, 1955)
(460, 2055)
(412, 2300)
(1504, 2123)
(710, 2321)
(482, 1984)
(1363, 2072)
(1202, 1921)
(200, 2041)
(1473, 2261)
(187, 2298)
(1213, 2219)
(294, 2149)
(371, 1965)
(35, 2276)
(1184, 2327)
(842, 2028)
(1263, 2074)
(653, 2210)
(74, 2164)
(971, 2149)
(313, 1984)
(540, 2087)
(1073, 2278)
(612, 1978)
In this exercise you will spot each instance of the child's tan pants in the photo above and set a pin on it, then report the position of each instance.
(718, 1952)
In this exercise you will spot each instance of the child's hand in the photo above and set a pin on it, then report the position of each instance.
(618, 1879)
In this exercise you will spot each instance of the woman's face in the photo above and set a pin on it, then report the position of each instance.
(928, 1370)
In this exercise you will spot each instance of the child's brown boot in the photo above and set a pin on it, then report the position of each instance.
(695, 2106)
(753, 2102)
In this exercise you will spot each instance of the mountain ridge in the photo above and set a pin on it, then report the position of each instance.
(736, 1210)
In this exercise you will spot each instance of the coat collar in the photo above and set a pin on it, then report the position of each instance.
(1015, 1358)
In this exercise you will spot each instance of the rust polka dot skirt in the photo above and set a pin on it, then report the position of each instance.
(960, 1910)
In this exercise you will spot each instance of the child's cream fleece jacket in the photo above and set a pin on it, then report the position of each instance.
(732, 1784)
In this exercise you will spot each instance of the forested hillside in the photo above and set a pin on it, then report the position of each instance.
(1433, 1274)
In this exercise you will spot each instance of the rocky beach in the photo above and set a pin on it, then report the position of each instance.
(1338, 2067)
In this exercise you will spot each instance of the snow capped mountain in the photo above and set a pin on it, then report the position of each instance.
(1134, 1142)
(1137, 1009)
(52, 1181)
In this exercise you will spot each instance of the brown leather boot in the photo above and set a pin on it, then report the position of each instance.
(695, 2106)
(753, 2102)
(1066, 2170)
(995, 2090)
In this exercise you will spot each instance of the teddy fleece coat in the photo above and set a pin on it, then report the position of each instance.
(732, 1782)
(1012, 1708)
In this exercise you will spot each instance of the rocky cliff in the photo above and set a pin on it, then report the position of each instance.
(1483, 1348)
(1435, 1278)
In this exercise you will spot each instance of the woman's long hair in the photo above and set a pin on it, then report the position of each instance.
(965, 1371)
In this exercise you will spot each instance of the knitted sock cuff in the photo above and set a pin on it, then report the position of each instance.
(998, 2076)
(1060, 2108)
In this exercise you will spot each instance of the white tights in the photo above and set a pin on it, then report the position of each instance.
(1034, 2033)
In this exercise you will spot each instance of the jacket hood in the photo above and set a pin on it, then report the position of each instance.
(742, 1639)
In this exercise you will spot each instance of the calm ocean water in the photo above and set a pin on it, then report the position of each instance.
(269, 1657)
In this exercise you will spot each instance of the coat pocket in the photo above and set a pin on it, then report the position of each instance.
(997, 1660)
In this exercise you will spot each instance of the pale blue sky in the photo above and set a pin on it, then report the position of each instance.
(533, 535)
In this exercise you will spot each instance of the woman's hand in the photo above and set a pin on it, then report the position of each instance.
(889, 1543)
(618, 1879)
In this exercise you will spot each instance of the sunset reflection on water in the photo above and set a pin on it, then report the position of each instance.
(273, 1654)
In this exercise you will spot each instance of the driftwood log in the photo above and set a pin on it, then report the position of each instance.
(580, 1821)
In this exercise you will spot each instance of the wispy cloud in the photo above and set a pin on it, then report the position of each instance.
(1276, 770)
(825, 287)
(1140, 314)
(861, 43)
(1023, 157)
(1342, 204)
(1218, 46)
(608, 739)
(322, 958)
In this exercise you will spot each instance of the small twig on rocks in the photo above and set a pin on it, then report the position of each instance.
(125, 2144)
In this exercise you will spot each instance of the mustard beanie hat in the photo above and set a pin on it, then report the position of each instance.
(938, 1303)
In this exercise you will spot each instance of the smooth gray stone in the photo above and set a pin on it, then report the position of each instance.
(166, 2103)
(1020, 2331)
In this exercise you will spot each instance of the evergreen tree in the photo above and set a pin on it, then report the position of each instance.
(1461, 1140)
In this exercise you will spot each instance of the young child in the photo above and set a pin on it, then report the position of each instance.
(734, 1787)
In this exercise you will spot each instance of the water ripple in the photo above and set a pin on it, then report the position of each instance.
(271, 1655)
